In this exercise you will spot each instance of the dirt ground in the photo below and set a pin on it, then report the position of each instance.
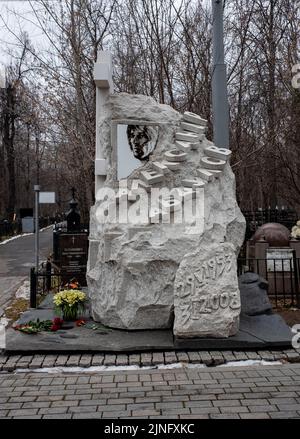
(291, 316)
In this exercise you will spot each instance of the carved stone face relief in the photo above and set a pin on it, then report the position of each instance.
(142, 140)
(133, 145)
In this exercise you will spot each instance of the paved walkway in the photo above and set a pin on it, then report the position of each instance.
(16, 259)
(17, 256)
(223, 392)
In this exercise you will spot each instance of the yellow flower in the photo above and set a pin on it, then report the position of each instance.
(69, 297)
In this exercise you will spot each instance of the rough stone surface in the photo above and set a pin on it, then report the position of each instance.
(207, 300)
(254, 297)
(131, 277)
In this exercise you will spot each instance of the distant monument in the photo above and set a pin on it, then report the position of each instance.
(70, 246)
(165, 230)
(73, 216)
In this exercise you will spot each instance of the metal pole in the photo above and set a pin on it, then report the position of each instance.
(37, 228)
(33, 281)
(219, 80)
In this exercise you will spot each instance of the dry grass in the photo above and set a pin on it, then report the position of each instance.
(16, 308)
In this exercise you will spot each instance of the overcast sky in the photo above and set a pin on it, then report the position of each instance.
(18, 16)
(23, 20)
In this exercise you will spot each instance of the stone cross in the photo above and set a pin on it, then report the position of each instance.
(104, 84)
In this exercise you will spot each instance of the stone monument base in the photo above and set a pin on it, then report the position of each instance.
(256, 332)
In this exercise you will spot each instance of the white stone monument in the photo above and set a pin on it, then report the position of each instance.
(165, 228)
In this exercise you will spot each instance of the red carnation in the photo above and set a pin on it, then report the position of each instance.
(54, 328)
(57, 321)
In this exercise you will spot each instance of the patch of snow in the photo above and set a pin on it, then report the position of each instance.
(23, 291)
(94, 369)
(4, 321)
(177, 366)
(15, 237)
(107, 368)
(77, 369)
(250, 363)
(22, 235)
(2, 337)
(193, 365)
(45, 228)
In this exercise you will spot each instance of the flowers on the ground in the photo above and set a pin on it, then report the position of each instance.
(69, 302)
(54, 328)
(33, 327)
(56, 324)
(296, 231)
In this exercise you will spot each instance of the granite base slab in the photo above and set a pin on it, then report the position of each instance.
(259, 332)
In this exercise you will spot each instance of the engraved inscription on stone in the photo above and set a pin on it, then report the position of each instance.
(194, 299)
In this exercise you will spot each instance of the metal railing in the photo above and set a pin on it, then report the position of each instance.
(49, 279)
(282, 276)
(256, 218)
(41, 283)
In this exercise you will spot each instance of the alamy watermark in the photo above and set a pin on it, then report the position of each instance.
(144, 205)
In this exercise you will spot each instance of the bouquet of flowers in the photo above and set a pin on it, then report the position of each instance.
(33, 327)
(69, 303)
(296, 231)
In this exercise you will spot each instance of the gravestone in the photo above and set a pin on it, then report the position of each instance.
(165, 229)
(73, 252)
(71, 247)
(73, 217)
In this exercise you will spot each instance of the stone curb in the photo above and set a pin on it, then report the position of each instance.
(149, 359)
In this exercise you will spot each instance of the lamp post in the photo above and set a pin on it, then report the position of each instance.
(219, 79)
(36, 189)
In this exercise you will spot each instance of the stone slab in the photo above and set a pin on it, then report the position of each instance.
(271, 328)
(34, 314)
(259, 332)
(88, 340)
(242, 340)
(256, 332)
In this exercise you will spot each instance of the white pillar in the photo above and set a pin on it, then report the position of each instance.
(104, 84)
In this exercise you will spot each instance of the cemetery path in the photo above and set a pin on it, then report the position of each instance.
(211, 393)
(16, 258)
